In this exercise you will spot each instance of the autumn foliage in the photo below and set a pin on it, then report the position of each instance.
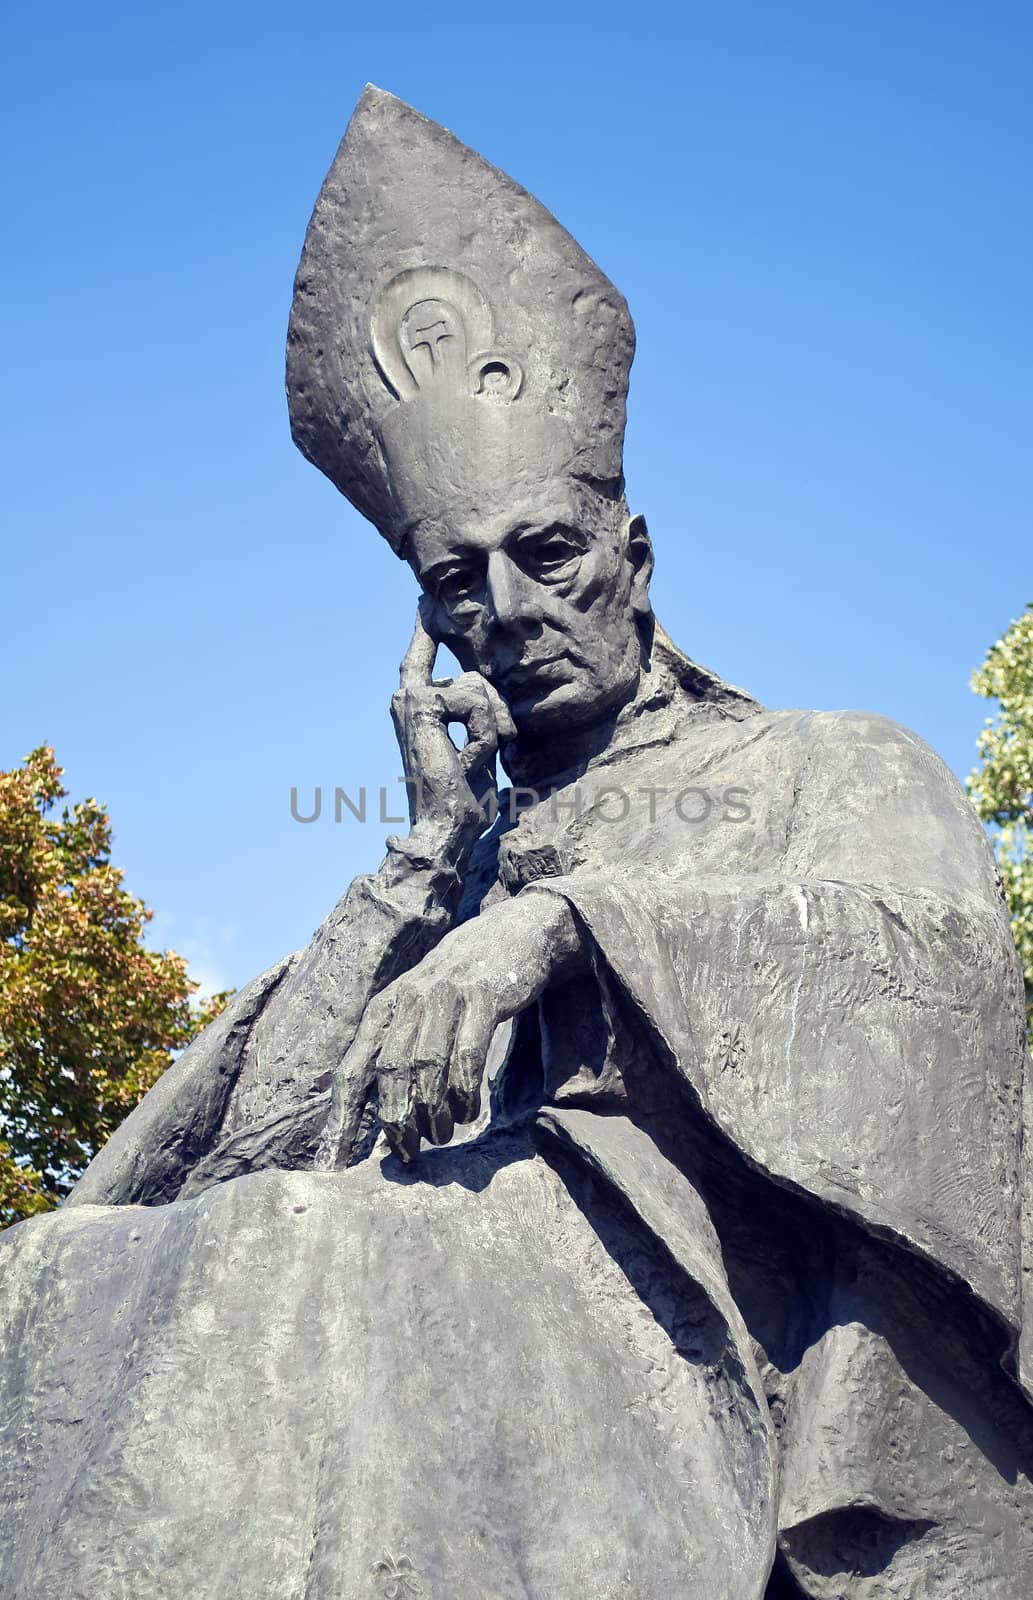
(89, 1016)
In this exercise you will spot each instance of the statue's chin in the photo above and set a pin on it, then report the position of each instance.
(567, 709)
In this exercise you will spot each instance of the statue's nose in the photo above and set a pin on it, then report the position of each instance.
(513, 602)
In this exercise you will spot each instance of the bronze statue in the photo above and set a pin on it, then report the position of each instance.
(622, 1194)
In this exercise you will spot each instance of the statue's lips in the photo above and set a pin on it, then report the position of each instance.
(533, 674)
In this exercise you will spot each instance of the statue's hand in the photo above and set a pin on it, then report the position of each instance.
(447, 787)
(423, 1041)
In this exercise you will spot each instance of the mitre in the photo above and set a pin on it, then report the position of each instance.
(450, 343)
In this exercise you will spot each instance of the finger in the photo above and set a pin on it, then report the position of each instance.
(482, 739)
(394, 1068)
(433, 1048)
(485, 790)
(503, 716)
(418, 662)
(397, 1089)
(458, 697)
(505, 727)
(467, 700)
(352, 1086)
(340, 1136)
(469, 1057)
(354, 1079)
(436, 1126)
(478, 689)
(405, 1142)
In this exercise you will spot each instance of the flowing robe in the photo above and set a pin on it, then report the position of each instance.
(782, 1118)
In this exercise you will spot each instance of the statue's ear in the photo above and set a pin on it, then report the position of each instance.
(640, 554)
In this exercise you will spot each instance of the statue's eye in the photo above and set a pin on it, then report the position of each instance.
(551, 552)
(457, 586)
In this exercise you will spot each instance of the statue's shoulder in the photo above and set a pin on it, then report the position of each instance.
(838, 727)
(865, 740)
(874, 795)
(837, 757)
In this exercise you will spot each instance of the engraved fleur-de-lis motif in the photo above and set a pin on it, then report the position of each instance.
(397, 1577)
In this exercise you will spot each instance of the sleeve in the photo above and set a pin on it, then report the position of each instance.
(253, 1090)
(852, 1019)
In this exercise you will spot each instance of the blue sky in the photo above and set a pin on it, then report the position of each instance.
(820, 215)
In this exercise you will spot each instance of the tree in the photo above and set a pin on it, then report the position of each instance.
(89, 1017)
(1002, 789)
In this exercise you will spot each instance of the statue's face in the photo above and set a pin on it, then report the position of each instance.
(542, 597)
